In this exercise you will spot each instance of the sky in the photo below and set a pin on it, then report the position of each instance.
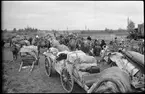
(74, 15)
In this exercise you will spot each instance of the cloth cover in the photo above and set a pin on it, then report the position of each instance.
(32, 50)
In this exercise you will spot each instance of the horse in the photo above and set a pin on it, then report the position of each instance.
(15, 50)
(72, 44)
(41, 43)
(79, 43)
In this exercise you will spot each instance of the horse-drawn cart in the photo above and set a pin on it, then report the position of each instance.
(87, 74)
(29, 56)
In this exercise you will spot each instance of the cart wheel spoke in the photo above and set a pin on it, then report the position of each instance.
(67, 80)
(69, 83)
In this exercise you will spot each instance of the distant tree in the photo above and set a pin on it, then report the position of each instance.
(5, 30)
(14, 30)
(131, 27)
(106, 29)
(131, 30)
(119, 28)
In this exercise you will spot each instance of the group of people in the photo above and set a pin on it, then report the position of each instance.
(72, 42)
(88, 45)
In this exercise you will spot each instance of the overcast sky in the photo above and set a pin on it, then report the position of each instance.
(47, 15)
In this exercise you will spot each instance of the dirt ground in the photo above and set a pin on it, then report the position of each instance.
(24, 82)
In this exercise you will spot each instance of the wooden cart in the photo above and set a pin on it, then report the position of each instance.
(70, 74)
(28, 59)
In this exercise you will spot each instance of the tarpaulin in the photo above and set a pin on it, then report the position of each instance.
(114, 79)
(80, 57)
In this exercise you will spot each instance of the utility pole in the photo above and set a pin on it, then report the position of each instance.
(67, 29)
(128, 22)
(85, 27)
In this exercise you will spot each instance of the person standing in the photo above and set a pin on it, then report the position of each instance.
(116, 41)
(102, 43)
(3, 43)
(96, 48)
(89, 45)
(15, 50)
(30, 40)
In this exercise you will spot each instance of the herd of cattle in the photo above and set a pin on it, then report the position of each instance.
(70, 42)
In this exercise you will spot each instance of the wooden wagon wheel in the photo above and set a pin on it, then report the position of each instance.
(48, 67)
(67, 80)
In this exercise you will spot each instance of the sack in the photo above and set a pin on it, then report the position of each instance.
(91, 69)
(62, 48)
(75, 55)
(88, 59)
(53, 50)
(80, 57)
(32, 50)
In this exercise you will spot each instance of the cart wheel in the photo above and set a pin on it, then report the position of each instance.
(67, 80)
(48, 67)
(102, 87)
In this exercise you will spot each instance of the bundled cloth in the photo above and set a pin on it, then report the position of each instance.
(17, 38)
(55, 42)
(90, 68)
(24, 42)
(53, 50)
(32, 50)
(62, 47)
(27, 42)
(77, 57)
(81, 61)
(59, 46)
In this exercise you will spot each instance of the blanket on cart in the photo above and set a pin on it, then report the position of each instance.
(80, 57)
(76, 57)
(61, 47)
(32, 50)
(81, 60)
(53, 50)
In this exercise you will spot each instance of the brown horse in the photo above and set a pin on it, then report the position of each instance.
(41, 43)
(15, 50)
(72, 44)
